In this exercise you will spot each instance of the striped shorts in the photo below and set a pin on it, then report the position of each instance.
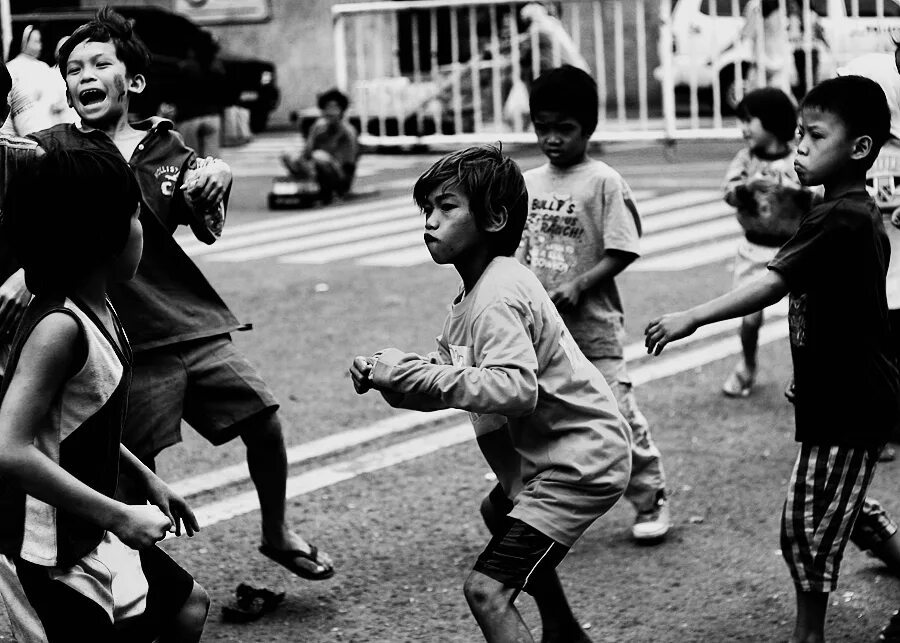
(826, 492)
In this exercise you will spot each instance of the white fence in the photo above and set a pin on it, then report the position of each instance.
(458, 71)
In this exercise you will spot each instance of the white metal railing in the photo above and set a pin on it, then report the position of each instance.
(457, 71)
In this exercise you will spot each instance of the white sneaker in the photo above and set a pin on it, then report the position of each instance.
(654, 524)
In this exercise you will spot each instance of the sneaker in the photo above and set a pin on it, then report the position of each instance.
(652, 525)
(739, 383)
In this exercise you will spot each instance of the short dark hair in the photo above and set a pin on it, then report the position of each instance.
(70, 214)
(490, 181)
(336, 95)
(859, 103)
(110, 26)
(774, 109)
(568, 90)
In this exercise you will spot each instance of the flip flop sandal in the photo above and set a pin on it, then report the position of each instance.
(251, 603)
(288, 558)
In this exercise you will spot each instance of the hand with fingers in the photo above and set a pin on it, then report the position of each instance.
(205, 185)
(173, 506)
(668, 328)
(566, 296)
(14, 298)
(360, 370)
(141, 526)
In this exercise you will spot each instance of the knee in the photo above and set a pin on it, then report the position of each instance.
(262, 429)
(193, 613)
(485, 595)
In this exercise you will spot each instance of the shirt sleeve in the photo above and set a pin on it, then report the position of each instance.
(503, 381)
(797, 259)
(621, 222)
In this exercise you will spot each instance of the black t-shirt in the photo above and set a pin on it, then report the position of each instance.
(845, 379)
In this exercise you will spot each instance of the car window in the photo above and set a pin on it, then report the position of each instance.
(869, 8)
(723, 7)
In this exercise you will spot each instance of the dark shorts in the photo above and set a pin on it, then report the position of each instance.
(67, 615)
(518, 555)
(207, 382)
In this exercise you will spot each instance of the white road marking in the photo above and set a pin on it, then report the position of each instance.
(685, 216)
(699, 255)
(651, 370)
(689, 234)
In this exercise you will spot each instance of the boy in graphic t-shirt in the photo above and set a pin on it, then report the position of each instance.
(583, 229)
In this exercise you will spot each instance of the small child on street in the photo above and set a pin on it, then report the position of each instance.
(583, 229)
(834, 269)
(331, 151)
(762, 185)
(78, 565)
(544, 418)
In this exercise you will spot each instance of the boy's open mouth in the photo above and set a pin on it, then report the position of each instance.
(91, 96)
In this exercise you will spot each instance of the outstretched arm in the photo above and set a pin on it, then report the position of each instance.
(763, 292)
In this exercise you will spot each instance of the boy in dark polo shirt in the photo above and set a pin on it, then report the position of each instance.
(834, 269)
(185, 364)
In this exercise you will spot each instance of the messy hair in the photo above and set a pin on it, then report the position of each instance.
(335, 95)
(567, 90)
(859, 103)
(70, 214)
(490, 181)
(110, 26)
(773, 108)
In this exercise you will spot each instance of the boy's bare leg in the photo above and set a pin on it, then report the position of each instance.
(267, 461)
(557, 621)
(190, 620)
(810, 625)
(492, 606)
(750, 339)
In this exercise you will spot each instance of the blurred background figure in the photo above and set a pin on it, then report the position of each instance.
(33, 89)
(60, 110)
(331, 151)
(198, 111)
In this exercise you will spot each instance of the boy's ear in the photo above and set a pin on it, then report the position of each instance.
(497, 220)
(862, 146)
(136, 83)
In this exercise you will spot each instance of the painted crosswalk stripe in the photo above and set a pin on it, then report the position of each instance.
(358, 248)
(189, 243)
(650, 204)
(318, 240)
(689, 234)
(260, 238)
(400, 259)
(693, 257)
(685, 216)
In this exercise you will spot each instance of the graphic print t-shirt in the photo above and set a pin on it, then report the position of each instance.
(575, 216)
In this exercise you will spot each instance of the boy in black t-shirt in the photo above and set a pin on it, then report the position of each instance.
(834, 269)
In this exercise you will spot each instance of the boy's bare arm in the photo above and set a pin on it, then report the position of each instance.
(567, 295)
(763, 292)
(47, 359)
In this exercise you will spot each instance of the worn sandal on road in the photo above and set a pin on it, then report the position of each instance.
(288, 558)
(252, 602)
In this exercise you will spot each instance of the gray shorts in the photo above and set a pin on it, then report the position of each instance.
(207, 382)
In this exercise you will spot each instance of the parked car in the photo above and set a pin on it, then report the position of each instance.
(250, 82)
(707, 46)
